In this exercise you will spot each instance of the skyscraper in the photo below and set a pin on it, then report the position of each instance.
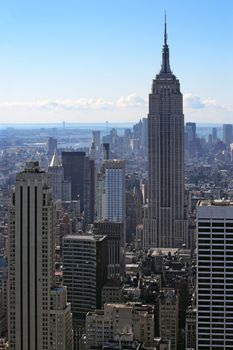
(227, 134)
(85, 271)
(111, 213)
(214, 275)
(115, 246)
(74, 164)
(111, 191)
(31, 263)
(51, 146)
(56, 175)
(80, 171)
(191, 131)
(164, 223)
(215, 135)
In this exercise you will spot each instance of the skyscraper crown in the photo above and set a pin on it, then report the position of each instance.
(165, 68)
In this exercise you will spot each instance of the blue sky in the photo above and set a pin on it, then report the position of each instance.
(94, 60)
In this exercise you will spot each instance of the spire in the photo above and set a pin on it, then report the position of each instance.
(165, 30)
(165, 64)
(55, 161)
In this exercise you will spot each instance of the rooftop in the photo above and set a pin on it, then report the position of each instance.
(85, 237)
(215, 203)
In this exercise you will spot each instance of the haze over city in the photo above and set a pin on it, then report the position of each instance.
(93, 61)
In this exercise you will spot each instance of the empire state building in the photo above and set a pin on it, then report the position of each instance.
(164, 223)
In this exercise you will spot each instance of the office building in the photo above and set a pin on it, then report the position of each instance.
(80, 171)
(190, 328)
(115, 246)
(120, 322)
(3, 295)
(74, 164)
(214, 135)
(227, 134)
(191, 131)
(51, 146)
(214, 275)
(111, 191)
(169, 317)
(84, 272)
(145, 134)
(111, 212)
(31, 261)
(56, 176)
(165, 224)
(60, 320)
(92, 151)
(61, 189)
(97, 141)
(106, 151)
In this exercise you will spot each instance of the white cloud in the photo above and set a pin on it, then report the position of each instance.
(195, 102)
(83, 103)
(192, 101)
(206, 110)
(132, 100)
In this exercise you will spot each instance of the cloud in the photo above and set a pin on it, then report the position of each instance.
(83, 103)
(132, 100)
(192, 101)
(195, 102)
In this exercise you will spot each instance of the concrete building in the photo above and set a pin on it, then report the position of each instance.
(31, 261)
(190, 328)
(120, 322)
(214, 275)
(112, 292)
(84, 272)
(168, 317)
(60, 320)
(4, 344)
(165, 224)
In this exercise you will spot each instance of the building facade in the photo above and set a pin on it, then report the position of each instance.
(60, 320)
(169, 317)
(111, 191)
(80, 171)
(214, 275)
(56, 176)
(31, 261)
(85, 272)
(120, 322)
(115, 246)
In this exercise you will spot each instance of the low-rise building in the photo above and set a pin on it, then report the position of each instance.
(120, 322)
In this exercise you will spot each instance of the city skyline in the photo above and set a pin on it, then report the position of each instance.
(58, 60)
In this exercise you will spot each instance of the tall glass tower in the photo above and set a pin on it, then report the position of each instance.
(165, 224)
